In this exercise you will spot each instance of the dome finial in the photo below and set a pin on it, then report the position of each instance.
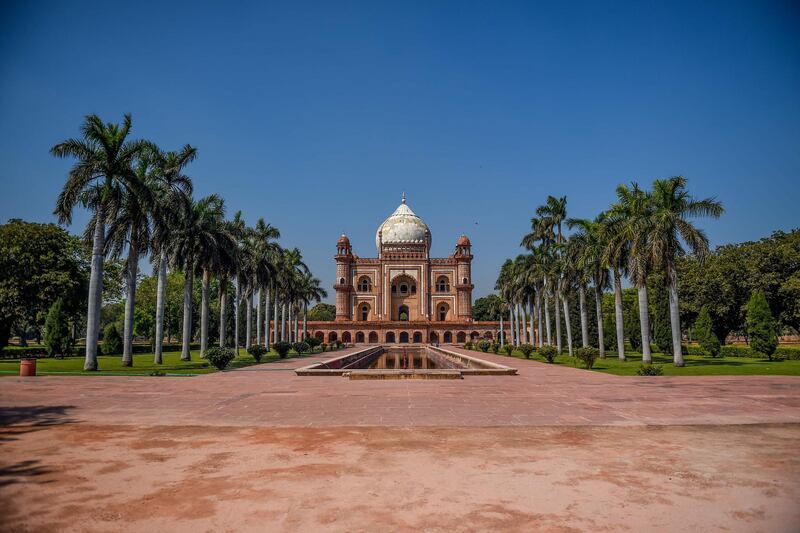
(403, 201)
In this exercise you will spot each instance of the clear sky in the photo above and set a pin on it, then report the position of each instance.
(317, 116)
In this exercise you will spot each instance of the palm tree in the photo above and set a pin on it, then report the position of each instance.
(171, 190)
(102, 173)
(131, 227)
(590, 246)
(667, 227)
(505, 285)
(629, 217)
(553, 214)
(265, 254)
(195, 240)
(238, 229)
(616, 254)
(310, 291)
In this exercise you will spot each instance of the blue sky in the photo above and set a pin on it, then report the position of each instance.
(317, 116)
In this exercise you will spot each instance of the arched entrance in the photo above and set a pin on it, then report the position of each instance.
(441, 312)
(417, 337)
(402, 313)
(360, 337)
(346, 337)
(434, 337)
(373, 337)
(448, 337)
(332, 337)
(390, 337)
(404, 337)
(461, 337)
(320, 336)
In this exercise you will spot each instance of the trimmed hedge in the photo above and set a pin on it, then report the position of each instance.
(15, 352)
(791, 352)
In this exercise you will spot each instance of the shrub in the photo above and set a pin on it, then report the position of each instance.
(484, 345)
(313, 342)
(508, 349)
(57, 336)
(324, 346)
(704, 333)
(112, 342)
(587, 356)
(761, 328)
(220, 357)
(526, 349)
(549, 353)
(495, 347)
(468, 345)
(650, 370)
(257, 351)
(301, 347)
(282, 348)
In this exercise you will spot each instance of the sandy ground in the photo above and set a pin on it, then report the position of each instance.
(80, 477)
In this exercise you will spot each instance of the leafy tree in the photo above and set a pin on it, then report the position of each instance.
(39, 263)
(761, 327)
(322, 312)
(658, 302)
(704, 334)
(57, 334)
(487, 308)
(112, 341)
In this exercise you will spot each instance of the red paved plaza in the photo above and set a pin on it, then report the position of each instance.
(551, 449)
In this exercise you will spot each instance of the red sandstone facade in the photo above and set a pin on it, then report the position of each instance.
(403, 295)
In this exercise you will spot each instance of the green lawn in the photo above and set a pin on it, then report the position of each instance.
(695, 365)
(142, 364)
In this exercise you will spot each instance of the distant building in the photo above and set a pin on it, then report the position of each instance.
(403, 295)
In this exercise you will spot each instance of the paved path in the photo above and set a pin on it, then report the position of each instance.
(272, 395)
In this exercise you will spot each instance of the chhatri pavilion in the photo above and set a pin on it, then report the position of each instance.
(404, 295)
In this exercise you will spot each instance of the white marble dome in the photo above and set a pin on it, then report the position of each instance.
(403, 227)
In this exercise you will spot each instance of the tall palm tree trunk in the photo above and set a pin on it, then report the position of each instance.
(296, 325)
(568, 323)
(130, 302)
(524, 327)
(584, 316)
(618, 315)
(548, 327)
(558, 321)
(248, 316)
(275, 320)
(530, 325)
(161, 294)
(674, 317)
(267, 309)
(283, 322)
(204, 313)
(502, 333)
(598, 304)
(644, 320)
(186, 340)
(237, 298)
(258, 317)
(538, 303)
(305, 320)
(223, 311)
(95, 299)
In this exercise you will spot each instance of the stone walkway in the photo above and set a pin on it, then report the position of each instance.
(271, 395)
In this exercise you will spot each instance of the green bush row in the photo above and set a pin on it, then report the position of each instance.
(15, 352)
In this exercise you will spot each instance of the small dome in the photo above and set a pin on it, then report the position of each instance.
(463, 241)
(343, 240)
(403, 227)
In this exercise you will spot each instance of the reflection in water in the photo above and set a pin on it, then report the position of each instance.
(402, 359)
